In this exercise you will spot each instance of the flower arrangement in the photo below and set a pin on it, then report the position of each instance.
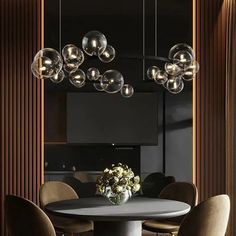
(117, 181)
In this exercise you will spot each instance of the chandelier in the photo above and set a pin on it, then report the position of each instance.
(48, 63)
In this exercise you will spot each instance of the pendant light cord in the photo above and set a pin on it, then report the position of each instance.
(60, 16)
(155, 30)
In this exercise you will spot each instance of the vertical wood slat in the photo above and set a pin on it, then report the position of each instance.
(231, 111)
(21, 102)
(210, 98)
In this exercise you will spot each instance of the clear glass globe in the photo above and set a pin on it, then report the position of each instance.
(97, 85)
(69, 67)
(58, 77)
(191, 71)
(93, 73)
(127, 91)
(180, 47)
(183, 59)
(152, 72)
(161, 77)
(93, 43)
(174, 85)
(72, 54)
(173, 69)
(42, 68)
(47, 63)
(107, 55)
(77, 78)
(112, 81)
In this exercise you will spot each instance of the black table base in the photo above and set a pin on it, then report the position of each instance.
(118, 228)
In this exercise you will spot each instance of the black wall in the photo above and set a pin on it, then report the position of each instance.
(133, 30)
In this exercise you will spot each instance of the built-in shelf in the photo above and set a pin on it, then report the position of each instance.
(55, 172)
(54, 143)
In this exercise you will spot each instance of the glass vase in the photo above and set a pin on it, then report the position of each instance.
(118, 198)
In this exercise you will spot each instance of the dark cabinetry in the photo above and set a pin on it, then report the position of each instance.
(55, 117)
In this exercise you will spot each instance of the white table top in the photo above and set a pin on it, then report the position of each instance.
(100, 209)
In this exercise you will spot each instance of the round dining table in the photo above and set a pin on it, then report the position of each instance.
(118, 220)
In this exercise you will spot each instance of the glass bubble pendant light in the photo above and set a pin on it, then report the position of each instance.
(107, 55)
(72, 54)
(93, 74)
(175, 85)
(127, 91)
(180, 66)
(47, 63)
(58, 78)
(93, 43)
(161, 77)
(97, 85)
(152, 72)
(77, 78)
(191, 71)
(112, 81)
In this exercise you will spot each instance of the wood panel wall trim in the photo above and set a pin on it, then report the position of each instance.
(209, 97)
(231, 111)
(194, 161)
(214, 98)
(21, 101)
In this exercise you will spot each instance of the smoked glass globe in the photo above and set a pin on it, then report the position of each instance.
(47, 63)
(77, 78)
(107, 55)
(72, 54)
(152, 72)
(93, 43)
(93, 73)
(127, 91)
(112, 81)
(58, 77)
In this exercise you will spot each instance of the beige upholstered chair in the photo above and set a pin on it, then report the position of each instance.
(179, 191)
(54, 191)
(209, 218)
(154, 183)
(24, 218)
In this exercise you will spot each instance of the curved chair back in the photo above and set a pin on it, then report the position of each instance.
(181, 191)
(24, 218)
(54, 191)
(208, 218)
(83, 189)
(154, 183)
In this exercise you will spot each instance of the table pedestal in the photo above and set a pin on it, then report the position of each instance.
(118, 228)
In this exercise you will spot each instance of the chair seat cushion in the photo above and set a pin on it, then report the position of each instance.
(69, 225)
(163, 226)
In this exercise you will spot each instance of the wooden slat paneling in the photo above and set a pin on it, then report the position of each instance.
(21, 102)
(231, 111)
(210, 125)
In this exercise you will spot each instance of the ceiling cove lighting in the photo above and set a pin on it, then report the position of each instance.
(48, 63)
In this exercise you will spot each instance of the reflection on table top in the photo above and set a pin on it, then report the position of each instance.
(100, 209)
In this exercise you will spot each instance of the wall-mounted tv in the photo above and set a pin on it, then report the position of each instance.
(100, 118)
